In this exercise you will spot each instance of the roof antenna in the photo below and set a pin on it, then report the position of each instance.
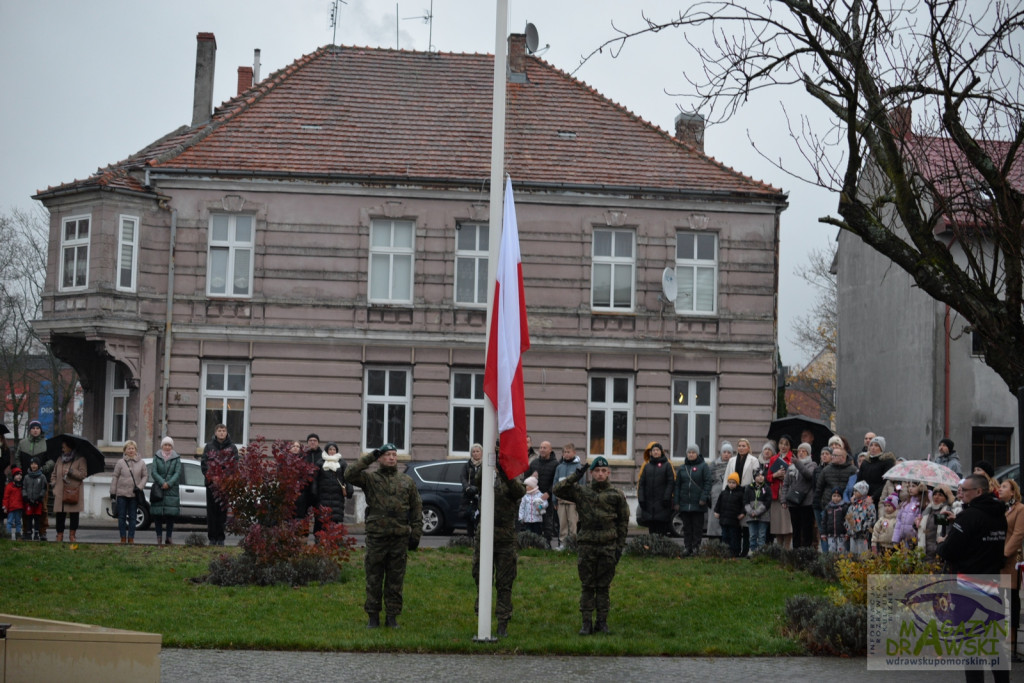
(334, 19)
(428, 18)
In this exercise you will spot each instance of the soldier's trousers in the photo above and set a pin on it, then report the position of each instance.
(505, 567)
(385, 573)
(596, 567)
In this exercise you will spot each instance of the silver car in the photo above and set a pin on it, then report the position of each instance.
(191, 489)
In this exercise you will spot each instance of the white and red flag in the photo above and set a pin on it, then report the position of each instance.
(509, 338)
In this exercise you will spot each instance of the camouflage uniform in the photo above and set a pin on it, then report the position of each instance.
(394, 521)
(507, 495)
(604, 522)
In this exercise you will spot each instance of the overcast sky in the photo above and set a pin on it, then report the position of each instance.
(88, 83)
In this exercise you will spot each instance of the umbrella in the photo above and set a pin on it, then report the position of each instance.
(95, 461)
(794, 425)
(924, 471)
(3, 429)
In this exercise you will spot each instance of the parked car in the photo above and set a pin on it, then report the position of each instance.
(1011, 471)
(191, 489)
(440, 486)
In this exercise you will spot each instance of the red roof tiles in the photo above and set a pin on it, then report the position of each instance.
(368, 113)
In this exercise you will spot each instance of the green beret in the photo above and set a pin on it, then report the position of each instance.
(599, 461)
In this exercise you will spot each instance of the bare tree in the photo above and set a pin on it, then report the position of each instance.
(816, 333)
(866, 66)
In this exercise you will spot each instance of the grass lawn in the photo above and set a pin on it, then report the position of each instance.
(659, 606)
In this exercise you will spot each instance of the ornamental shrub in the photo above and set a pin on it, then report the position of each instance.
(261, 493)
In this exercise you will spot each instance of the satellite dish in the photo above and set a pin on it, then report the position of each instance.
(532, 39)
(668, 284)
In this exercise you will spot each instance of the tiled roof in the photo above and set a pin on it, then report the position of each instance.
(367, 113)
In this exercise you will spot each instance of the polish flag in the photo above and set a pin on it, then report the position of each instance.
(509, 338)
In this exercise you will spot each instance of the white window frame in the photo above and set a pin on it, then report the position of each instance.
(689, 406)
(687, 305)
(384, 254)
(609, 407)
(115, 396)
(618, 266)
(131, 247)
(476, 257)
(474, 403)
(234, 247)
(388, 400)
(225, 394)
(75, 244)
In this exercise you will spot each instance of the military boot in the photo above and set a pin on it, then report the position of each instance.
(502, 629)
(374, 620)
(391, 621)
(588, 626)
(602, 624)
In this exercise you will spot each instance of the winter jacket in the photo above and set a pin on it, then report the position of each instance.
(1014, 540)
(884, 528)
(545, 470)
(216, 448)
(757, 502)
(68, 475)
(331, 487)
(531, 507)
(835, 520)
(13, 498)
(308, 496)
(906, 515)
(730, 506)
(871, 471)
(800, 479)
(33, 490)
(564, 469)
(718, 467)
(469, 471)
(29, 448)
(693, 486)
(952, 461)
(654, 488)
(929, 531)
(746, 470)
(833, 477)
(602, 508)
(977, 537)
(169, 472)
(122, 483)
(860, 518)
(393, 505)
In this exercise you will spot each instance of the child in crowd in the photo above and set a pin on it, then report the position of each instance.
(33, 492)
(934, 524)
(908, 514)
(834, 533)
(532, 507)
(757, 503)
(729, 513)
(14, 504)
(881, 537)
(860, 519)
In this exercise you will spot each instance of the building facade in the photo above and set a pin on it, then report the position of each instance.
(312, 257)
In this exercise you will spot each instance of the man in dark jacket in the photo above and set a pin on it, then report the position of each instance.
(604, 522)
(313, 455)
(507, 494)
(394, 525)
(220, 446)
(543, 467)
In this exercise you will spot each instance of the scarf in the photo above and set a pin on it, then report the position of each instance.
(332, 462)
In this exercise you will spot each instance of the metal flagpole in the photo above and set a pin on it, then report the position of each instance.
(486, 532)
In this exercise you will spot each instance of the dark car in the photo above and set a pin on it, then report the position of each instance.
(1011, 471)
(191, 491)
(440, 486)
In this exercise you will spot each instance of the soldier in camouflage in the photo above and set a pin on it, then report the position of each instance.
(604, 522)
(394, 524)
(507, 494)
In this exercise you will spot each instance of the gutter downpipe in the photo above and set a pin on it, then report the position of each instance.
(168, 318)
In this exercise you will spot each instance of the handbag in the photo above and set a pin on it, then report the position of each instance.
(140, 495)
(71, 494)
(156, 494)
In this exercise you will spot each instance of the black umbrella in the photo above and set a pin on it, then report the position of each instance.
(794, 425)
(95, 461)
(3, 429)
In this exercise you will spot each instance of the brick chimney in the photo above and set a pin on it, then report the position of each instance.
(244, 78)
(690, 129)
(900, 122)
(206, 56)
(517, 57)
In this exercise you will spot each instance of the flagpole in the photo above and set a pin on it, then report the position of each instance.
(486, 531)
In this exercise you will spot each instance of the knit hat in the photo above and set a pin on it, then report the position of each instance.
(328, 447)
(531, 483)
(693, 447)
(15, 471)
(734, 477)
(893, 500)
(986, 467)
(769, 446)
(880, 440)
(167, 441)
(862, 488)
(313, 435)
(726, 446)
(35, 423)
(944, 490)
(806, 447)
(835, 440)
(759, 472)
(35, 460)
(836, 490)
(825, 450)
(948, 443)
(599, 461)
